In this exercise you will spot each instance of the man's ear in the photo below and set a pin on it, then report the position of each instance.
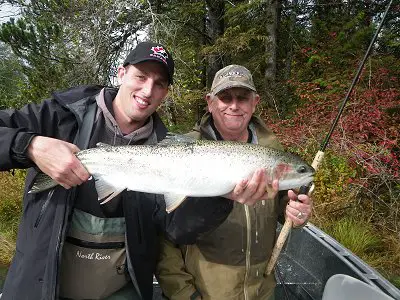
(256, 101)
(209, 99)
(120, 74)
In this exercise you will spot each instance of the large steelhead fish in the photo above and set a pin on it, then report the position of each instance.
(177, 170)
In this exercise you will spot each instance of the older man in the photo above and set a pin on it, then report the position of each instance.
(229, 262)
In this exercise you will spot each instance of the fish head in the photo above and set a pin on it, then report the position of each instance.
(292, 172)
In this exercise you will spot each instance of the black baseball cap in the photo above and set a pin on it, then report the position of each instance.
(152, 51)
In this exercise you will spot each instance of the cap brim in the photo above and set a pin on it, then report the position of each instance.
(136, 61)
(232, 84)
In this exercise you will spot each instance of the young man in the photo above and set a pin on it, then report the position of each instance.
(69, 246)
(229, 262)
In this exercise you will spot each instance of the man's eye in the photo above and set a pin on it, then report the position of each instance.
(225, 98)
(161, 84)
(141, 77)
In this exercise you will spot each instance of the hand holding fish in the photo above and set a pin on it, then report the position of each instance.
(56, 158)
(251, 191)
(298, 211)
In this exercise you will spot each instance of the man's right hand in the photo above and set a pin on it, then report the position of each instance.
(258, 187)
(57, 159)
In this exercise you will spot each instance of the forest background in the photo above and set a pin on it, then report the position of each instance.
(303, 55)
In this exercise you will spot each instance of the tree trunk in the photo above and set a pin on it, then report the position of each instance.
(270, 45)
(215, 29)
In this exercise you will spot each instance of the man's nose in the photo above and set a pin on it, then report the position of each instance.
(234, 104)
(148, 88)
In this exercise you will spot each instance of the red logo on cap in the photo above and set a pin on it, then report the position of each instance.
(160, 53)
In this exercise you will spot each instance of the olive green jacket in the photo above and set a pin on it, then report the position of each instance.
(228, 262)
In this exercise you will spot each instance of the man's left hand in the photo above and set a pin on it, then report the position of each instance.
(298, 211)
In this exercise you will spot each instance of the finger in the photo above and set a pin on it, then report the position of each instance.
(292, 217)
(240, 187)
(64, 181)
(253, 184)
(299, 207)
(292, 195)
(74, 148)
(304, 199)
(81, 172)
(296, 205)
(66, 186)
(295, 212)
(275, 185)
(261, 187)
(296, 216)
(67, 177)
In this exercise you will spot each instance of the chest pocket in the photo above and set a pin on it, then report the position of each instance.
(93, 264)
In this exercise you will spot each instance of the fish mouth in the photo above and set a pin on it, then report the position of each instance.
(291, 183)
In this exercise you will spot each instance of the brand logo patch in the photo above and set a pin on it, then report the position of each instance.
(231, 74)
(92, 256)
(160, 53)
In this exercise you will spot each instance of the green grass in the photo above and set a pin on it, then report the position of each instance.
(10, 211)
(3, 272)
(357, 235)
(380, 250)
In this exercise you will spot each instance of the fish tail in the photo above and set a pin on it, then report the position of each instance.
(41, 183)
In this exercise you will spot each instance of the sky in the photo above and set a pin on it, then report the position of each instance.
(7, 12)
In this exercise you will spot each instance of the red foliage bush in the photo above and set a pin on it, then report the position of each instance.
(368, 130)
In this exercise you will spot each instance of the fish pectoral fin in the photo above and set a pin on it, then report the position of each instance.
(106, 191)
(172, 201)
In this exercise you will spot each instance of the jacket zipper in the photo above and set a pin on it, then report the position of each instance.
(43, 209)
(60, 241)
(248, 252)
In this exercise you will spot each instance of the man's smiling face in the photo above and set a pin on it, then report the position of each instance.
(232, 110)
(143, 87)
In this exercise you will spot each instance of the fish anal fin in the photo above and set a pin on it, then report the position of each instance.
(106, 191)
(172, 201)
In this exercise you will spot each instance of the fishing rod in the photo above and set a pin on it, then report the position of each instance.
(320, 154)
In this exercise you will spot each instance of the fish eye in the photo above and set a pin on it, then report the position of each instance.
(302, 169)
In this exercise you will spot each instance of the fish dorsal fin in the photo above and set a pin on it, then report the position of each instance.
(106, 191)
(100, 144)
(172, 201)
(174, 138)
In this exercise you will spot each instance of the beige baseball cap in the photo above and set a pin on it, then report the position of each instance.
(232, 76)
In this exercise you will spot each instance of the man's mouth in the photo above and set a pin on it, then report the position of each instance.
(142, 103)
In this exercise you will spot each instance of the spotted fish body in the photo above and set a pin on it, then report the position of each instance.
(178, 170)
